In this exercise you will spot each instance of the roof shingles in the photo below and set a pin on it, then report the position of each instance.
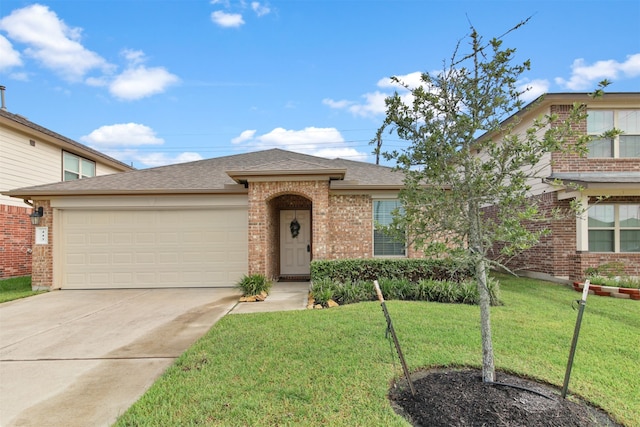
(210, 175)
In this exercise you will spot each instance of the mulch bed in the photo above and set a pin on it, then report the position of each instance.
(451, 397)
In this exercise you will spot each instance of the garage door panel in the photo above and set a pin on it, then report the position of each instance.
(153, 249)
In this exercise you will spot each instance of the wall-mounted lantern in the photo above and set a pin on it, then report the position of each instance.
(36, 215)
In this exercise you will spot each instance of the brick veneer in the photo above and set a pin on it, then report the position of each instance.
(16, 239)
(556, 253)
(263, 221)
(341, 224)
(573, 162)
(42, 266)
(350, 226)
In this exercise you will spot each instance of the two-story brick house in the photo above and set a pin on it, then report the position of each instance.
(605, 182)
(30, 155)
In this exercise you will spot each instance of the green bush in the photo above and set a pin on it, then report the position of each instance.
(322, 291)
(445, 291)
(254, 284)
(414, 270)
(353, 292)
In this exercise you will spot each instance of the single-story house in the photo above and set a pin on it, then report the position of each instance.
(209, 222)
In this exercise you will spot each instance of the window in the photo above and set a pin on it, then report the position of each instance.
(384, 245)
(614, 228)
(75, 167)
(623, 146)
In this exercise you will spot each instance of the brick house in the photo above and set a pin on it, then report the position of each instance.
(608, 180)
(206, 223)
(30, 155)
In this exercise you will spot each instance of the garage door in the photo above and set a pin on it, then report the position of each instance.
(151, 249)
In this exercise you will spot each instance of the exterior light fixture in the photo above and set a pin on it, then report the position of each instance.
(36, 215)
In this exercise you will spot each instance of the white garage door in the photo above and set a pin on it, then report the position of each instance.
(153, 249)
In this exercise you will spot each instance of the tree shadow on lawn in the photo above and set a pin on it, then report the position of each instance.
(458, 397)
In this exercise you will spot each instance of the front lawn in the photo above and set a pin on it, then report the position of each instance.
(333, 367)
(15, 288)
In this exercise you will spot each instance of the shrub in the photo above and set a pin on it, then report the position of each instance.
(414, 270)
(254, 284)
(465, 292)
(322, 291)
(353, 292)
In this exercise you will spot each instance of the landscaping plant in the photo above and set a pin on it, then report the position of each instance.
(451, 175)
(254, 284)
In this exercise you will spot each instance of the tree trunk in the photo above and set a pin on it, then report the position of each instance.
(477, 252)
(488, 367)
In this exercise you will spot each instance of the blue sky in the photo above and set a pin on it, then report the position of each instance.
(153, 82)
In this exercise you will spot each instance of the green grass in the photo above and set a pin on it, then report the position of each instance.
(334, 367)
(14, 288)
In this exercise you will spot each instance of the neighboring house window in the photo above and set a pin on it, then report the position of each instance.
(384, 245)
(614, 228)
(624, 145)
(76, 167)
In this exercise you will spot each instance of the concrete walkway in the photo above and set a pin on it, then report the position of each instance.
(284, 296)
(81, 358)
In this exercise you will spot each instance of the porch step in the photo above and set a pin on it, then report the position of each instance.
(301, 278)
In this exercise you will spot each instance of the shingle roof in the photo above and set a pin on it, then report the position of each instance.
(63, 140)
(211, 175)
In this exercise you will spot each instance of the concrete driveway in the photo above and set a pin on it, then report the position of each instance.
(81, 358)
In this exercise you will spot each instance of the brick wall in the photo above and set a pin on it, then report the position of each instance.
(16, 239)
(350, 226)
(573, 162)
(554, 254)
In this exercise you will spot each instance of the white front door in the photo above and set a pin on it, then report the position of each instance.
(295, 243)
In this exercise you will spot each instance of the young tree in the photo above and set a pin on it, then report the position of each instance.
(451, 175)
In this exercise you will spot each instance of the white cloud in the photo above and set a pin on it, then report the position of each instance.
(57, 47)
(227, 20)
(374, 102)
(124, 140)
(534, 88)
(246, 135)
(51, 42)
(585, 76)
(9, 57)
(260, 9)
(133, 57)
(372, 106)
(323, 142)
(20, 76)
(140, 82)
(413, 80)
(122, 135)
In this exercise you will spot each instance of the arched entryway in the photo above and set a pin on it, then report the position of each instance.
(290, 236)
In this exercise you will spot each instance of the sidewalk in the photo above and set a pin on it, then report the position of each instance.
(284, 296)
